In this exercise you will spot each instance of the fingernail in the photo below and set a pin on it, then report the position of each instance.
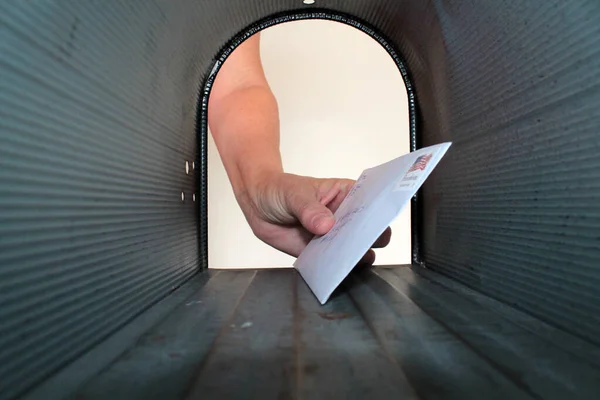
(319, 220)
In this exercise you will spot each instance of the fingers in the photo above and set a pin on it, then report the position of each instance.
(330, 194)
(345, 185)
(292, 242)
(316, 214)
(312, 214)
(384, 239)
(368, 259)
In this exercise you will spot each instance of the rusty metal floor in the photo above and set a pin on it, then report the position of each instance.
(391, 332)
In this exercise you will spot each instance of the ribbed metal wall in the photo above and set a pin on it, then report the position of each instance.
(97, 120)
(98, 106)
(514, 208)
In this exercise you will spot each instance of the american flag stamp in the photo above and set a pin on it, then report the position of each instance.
(413, 176)
(421, 163)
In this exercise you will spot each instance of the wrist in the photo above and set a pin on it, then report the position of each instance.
(253, 180)
(251, 191)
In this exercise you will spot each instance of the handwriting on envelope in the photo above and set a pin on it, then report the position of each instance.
(376, 199)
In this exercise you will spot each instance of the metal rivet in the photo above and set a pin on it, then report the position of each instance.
(187, 167)
(182, 196)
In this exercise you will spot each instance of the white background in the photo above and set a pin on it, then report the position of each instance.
(343, 108)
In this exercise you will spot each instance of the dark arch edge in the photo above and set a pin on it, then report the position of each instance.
(230, 46)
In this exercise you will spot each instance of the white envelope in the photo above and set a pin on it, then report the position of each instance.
(377, 198)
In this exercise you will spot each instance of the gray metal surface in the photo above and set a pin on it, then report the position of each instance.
(513, 210)
(388, 333)
(96, 123)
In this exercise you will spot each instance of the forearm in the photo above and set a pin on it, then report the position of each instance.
(245, 127)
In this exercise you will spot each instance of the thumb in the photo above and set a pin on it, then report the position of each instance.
(312, 214)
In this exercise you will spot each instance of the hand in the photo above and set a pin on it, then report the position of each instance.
(286, 211)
